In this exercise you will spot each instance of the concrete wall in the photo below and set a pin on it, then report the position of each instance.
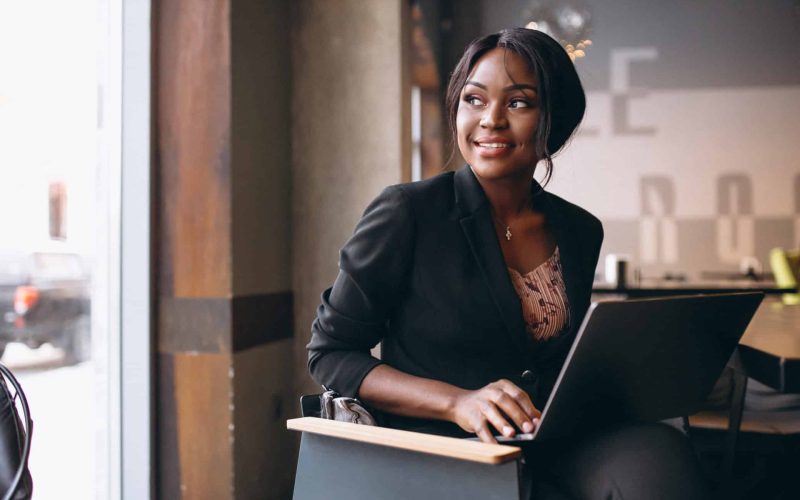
(262, 376)
(261, 146)
(349, 117)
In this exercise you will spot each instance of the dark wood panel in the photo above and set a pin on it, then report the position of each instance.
(194, 325)
(224, 325)
(260, 319)
(168, 467)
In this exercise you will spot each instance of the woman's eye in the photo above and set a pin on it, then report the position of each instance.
(473, 100)
(519, 103)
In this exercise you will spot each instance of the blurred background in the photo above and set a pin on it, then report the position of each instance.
(177, 176)
(687, 151)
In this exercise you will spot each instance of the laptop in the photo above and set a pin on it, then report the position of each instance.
(643, 360)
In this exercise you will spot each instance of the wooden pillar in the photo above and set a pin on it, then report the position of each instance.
(224, 303)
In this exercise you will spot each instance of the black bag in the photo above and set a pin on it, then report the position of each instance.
(15, 441)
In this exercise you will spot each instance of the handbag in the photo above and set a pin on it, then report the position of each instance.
(332, 406)
(16, 482)
(344, 409)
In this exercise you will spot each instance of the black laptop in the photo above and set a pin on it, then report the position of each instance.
(644, 360)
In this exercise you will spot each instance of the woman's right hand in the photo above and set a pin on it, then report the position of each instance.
(498, 404)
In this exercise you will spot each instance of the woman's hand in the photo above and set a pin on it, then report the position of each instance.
(500, 404)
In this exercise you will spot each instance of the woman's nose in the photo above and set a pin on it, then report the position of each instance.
(494, 117)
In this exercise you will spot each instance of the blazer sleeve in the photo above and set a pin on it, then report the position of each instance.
(373, 271)
(597, 232)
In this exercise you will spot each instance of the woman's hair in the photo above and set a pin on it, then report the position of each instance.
(560, 94)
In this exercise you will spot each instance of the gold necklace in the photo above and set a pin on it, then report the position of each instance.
(507, 226)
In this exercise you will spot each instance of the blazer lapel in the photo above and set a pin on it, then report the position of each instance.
(554, 350)
(476, 222)
(570, 253)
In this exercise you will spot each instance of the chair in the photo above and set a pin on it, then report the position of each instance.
(786, 268)
(15, 440)
(730, 429)
(344, 460)
(724, 410)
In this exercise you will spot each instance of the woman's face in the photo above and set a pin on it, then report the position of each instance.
(497, 117)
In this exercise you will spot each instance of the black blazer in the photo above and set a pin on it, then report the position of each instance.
(425, 275)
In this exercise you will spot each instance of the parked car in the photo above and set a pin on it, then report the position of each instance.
(44, 298)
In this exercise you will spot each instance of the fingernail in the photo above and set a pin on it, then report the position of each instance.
(536, 421)
(527, 427)
(508, 431)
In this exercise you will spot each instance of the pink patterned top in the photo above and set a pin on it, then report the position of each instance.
(543, 296)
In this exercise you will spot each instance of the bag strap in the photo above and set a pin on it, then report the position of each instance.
(26, 443)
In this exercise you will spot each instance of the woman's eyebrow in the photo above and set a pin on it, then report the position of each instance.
(476, 84)
(520, 86)
(516, 86)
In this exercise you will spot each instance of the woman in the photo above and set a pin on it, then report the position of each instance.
(476, 282)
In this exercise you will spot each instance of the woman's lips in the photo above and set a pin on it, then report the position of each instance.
(493, 149)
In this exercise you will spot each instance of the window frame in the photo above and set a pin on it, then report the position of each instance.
(136, 395)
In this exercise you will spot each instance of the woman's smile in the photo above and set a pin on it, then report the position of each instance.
(493, 147)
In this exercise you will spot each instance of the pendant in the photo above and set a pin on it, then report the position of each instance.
(508, 233)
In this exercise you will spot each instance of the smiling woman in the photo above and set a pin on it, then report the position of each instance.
(529, 62)
(498, 117)
(475, 283)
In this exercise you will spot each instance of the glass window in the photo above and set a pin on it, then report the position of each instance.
(59, 170)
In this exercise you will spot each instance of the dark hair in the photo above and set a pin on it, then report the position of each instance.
(561, 98)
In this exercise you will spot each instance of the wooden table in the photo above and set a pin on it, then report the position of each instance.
(670, 288)
(770, 348)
